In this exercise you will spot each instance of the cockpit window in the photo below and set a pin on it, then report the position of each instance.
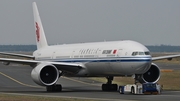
(140, 53)
(134, 53)
(147, 53)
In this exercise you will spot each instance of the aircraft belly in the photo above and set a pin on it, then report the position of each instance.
(93, 69)
(117, 68)
(113, 69)
(126, 68)
(131, 68)
(99, 68)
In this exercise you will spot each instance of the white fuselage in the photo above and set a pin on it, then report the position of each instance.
(115, 58)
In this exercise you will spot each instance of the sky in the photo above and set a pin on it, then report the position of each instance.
(150, 22)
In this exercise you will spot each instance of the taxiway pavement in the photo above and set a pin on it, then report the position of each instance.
(17, 80)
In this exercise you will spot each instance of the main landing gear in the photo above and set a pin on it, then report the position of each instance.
(109, 86)
(54, 88)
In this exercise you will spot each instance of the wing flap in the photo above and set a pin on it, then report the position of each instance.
(68, 67)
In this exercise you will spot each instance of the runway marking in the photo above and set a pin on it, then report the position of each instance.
(19, 81)
(80, 81)
(42, 87)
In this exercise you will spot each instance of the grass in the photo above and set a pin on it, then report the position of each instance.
(170, 80)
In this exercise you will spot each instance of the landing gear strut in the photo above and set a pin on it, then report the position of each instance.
(109, 86)
(54, 88)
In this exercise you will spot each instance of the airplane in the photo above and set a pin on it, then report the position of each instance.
(97, 59)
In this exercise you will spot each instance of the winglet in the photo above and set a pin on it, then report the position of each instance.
(40, 35)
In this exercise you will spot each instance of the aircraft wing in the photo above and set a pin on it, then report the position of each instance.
(165, 57)
(18, 55)
(69, 67)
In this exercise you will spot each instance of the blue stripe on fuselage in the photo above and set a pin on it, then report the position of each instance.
(120, 59)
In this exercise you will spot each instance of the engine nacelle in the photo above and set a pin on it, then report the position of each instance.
(45, 74)
(151, 76)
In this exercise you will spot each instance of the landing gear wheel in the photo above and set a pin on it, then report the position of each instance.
(114, 87)
(121, 89)
(132, 90)
(104, 87)
(54, 88)
(109, 87)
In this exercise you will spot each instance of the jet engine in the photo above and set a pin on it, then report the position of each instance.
(152, 75)
(45, 74)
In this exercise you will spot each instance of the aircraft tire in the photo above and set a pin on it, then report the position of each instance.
(132, 90)
(109, 87)
(54, 88)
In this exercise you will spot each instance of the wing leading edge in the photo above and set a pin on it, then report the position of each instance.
(165, 57)
(63, 66)
(18, 55)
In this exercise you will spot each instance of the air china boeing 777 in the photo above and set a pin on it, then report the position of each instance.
(98, 59)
